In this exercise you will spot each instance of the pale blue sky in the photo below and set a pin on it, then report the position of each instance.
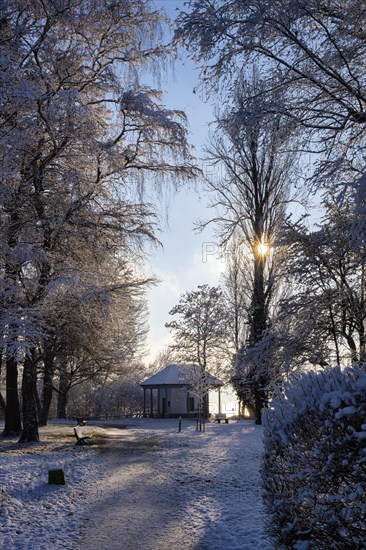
(179, 265)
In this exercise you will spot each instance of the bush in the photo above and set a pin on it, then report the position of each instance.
(314, 466)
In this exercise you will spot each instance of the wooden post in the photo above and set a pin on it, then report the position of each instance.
(219, 400)
(56, 477)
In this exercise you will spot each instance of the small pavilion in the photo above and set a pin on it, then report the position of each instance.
(174, 391)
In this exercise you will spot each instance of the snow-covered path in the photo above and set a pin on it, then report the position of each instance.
(160, 489)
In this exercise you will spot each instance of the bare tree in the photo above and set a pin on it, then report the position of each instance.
(250, 200)
(237, 284)
(201, 332)
(202, 336)
(98, 327)
(313, 50)
(330, 275)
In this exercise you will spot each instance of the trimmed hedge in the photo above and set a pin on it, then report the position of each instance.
(314, 468)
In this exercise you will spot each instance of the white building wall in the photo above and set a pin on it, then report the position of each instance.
(177, 401)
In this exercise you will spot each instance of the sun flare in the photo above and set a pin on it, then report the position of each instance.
(263, 248)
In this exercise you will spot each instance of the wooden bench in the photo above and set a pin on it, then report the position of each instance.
(219, 417)
(80, 438)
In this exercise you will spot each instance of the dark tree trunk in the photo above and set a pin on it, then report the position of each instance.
(47, 390)
(258, 406)
(38, 403)
(2, 400)
(258, 326)
(13, 424)
(259, 309)
(62, 395)
(206, 412)
(61, 405)
(2, 405)
(29, 389)
(47, 393)
(362, 335)
(260, 399)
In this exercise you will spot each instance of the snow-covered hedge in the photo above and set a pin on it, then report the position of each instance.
(314, 469)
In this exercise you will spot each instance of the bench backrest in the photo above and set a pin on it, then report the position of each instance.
(78, 433)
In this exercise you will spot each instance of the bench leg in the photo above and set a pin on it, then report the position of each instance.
(83, 441)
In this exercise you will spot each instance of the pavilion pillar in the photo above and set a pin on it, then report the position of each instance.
(219, 400)
(151, 403)
(144, 414)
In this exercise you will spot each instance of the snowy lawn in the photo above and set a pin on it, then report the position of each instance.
(149, 487)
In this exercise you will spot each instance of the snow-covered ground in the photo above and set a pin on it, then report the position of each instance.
(149, 487)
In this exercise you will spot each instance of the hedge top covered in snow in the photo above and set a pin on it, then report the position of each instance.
(314, 469)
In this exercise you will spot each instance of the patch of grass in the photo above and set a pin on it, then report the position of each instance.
(153, 442)
(98, 434)
(57, 435)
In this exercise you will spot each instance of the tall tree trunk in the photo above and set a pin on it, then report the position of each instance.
(62, 395)
(260, 398)
(61, 405)
(362, 336)
(2, 405)
(258, 326)
(47, 390)
(38, 403)
(205, 405)
(2, 400)
(259, 313)
(13, 424)
(29, 389)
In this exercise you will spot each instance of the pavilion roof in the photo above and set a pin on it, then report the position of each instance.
(179, 375)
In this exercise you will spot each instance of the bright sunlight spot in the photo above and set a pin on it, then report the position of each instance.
(263, 247)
